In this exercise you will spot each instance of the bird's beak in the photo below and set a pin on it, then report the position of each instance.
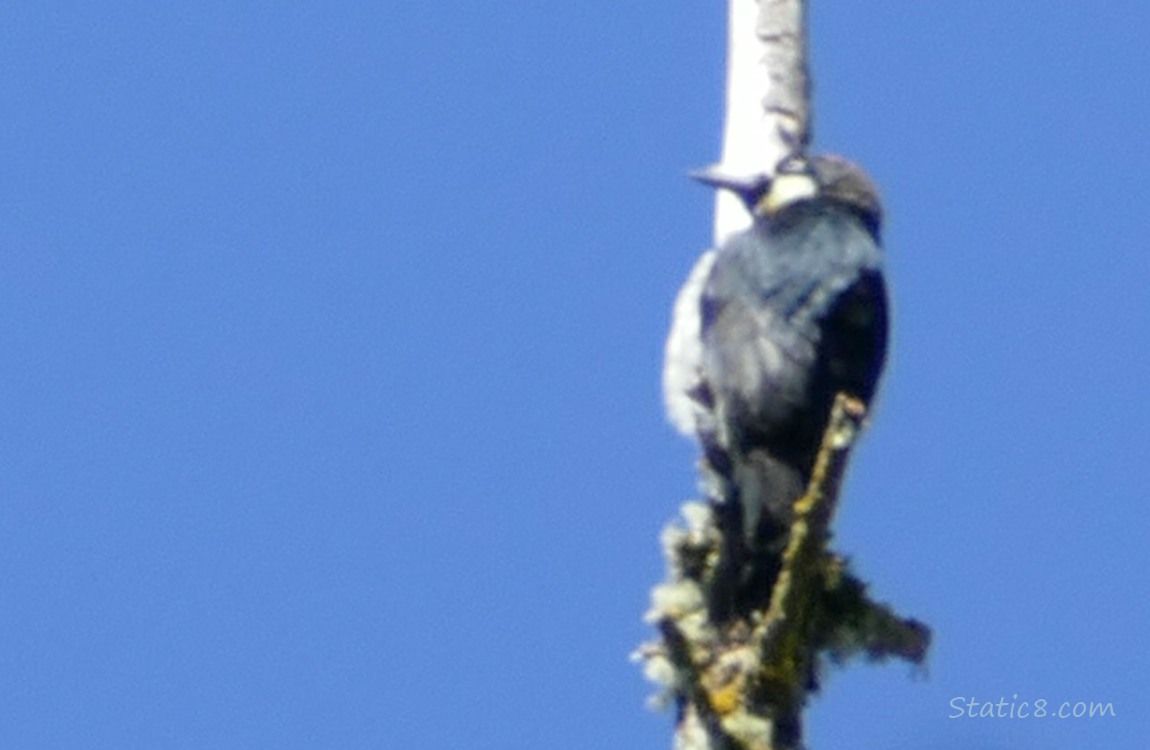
(749, 187)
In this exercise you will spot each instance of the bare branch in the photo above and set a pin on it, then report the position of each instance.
(768, 98)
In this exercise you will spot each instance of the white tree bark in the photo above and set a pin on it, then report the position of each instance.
(768, 94)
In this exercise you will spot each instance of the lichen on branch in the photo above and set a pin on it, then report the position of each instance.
(742, 681)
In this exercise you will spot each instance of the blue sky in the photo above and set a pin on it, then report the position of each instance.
(331, 343)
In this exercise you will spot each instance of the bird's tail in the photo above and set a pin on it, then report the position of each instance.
(753, 494)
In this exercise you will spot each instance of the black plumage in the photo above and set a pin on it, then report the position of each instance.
(792, 312)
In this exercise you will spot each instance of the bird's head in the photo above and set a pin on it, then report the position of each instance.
(823, 177)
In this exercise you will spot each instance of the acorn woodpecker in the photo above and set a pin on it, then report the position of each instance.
(770, 326)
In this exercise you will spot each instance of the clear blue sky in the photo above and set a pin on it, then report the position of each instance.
(331, 335)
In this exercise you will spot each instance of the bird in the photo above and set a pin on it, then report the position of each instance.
(769, 327)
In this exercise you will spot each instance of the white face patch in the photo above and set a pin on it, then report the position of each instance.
(786, 190)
